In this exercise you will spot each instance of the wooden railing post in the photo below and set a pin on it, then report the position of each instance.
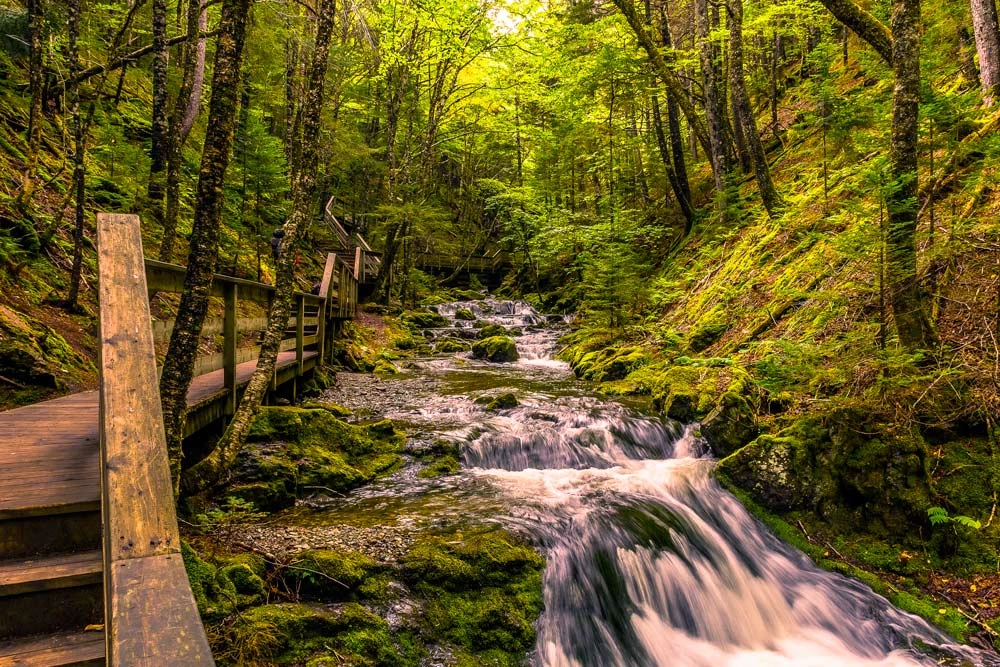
(359, 268)
(230, 335)
(300, 326)
(150, 614)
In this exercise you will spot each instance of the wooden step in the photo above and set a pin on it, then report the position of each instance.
(77, 649)
(27, 537)
(18, 577)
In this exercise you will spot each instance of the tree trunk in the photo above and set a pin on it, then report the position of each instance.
(670, 79)
(743, 112)
(682, 194)
(214, 467)
(718, 155)
(987, 32)
(160, 124)
(188, 98)
(178, 366)
(36, 19)
(76, 274)
(908, 299)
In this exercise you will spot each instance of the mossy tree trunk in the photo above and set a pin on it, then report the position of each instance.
(743, 112)
(178, 366)
(987, 33)
(79, 173)
(900, 47)
(909, 302)
(181, 120)
(216, 465)
(160, 124)
(718, 154)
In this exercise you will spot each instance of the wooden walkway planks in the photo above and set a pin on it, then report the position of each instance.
(50, 457)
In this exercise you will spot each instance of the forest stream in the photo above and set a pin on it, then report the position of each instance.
(649, 560)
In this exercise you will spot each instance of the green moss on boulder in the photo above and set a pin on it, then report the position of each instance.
(450, 346)
(495, 348)
(491, 330)
(483, 592)
(465, 314)
(302, 450)
(425, 319)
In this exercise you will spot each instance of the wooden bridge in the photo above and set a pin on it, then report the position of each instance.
(90, 564)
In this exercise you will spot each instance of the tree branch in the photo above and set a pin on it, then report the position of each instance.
(864, 24)
(91, 72)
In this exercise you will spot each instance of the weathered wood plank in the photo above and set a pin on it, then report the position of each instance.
(150, 614)
(138, 494)
(164, 627)
(48, 573)
(81, 649)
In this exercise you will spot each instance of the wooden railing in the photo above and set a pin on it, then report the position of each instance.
(366, 262)
(150, 614)
(477, 264)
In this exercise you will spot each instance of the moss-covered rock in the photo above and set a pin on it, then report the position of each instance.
(440, 467)
(706, 334)
(296, 451)
(483, 592)
(338, 411)
(450, 346)
(730, 425)
(385, 367)
(336, 575)
(425, 319)
(609, 364)
(465, 314)
(502, 401)
(491, 330)
(842, 465)
(495, 348)
(284, 634)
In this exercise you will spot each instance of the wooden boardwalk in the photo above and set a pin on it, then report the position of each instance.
(90, 565)
(50, 459)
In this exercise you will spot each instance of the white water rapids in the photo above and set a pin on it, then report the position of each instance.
(649, 561)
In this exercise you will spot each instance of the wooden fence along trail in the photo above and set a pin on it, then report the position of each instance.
(90, 564)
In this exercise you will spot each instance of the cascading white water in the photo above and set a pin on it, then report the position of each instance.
(649, 561)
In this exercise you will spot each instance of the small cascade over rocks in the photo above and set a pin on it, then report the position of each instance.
(650, 562)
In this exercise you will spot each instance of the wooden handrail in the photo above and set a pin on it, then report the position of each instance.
(150, 614)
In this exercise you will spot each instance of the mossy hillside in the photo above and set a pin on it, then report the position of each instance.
(498, 349)
(295, 451)
(36, 361)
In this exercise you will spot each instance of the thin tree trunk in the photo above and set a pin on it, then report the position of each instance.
(214, 467)
(36, 20)
(718, 155)
(987, 32)
(682, 195)
(908, 299)
(160, 123)
(670, 79)
(744, 112)
(76, 274)
(178, 366)
(188, 98)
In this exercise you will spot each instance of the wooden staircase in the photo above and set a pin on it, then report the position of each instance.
(51, 568)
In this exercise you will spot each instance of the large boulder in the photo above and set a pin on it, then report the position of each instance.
(730, 425)
(496, 349)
